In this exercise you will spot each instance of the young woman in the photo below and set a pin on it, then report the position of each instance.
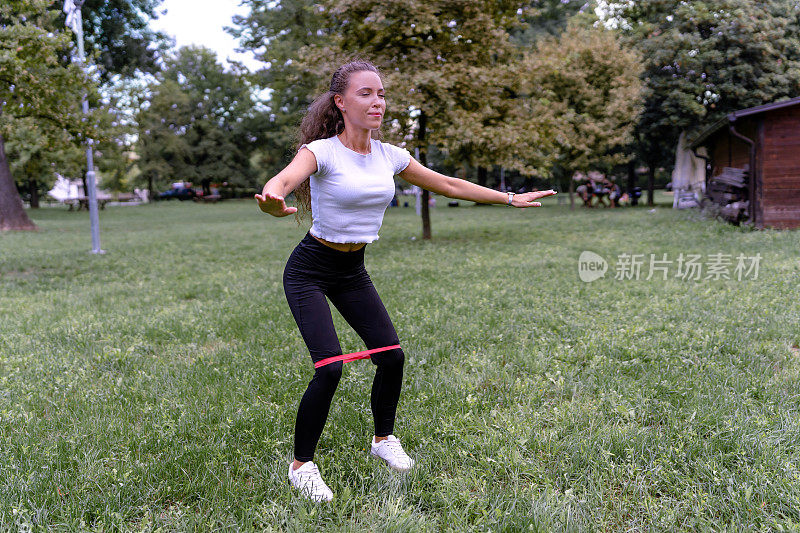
(351, 184)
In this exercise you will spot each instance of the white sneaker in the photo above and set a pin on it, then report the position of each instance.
(309, 482)
(392, 452)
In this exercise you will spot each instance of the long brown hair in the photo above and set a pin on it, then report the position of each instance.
(324, 120)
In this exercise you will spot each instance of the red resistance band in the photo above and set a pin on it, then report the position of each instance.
(353, 356)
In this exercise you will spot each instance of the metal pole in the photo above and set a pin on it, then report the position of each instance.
(90, 175)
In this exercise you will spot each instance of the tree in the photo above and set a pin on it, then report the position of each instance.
(35, 154)
(588, 84)
(704, 59)
(274, 30)
(195, 124)
(116, 114)
(510, 127)
(34, 85)
(40, 88)
(36, 151)
(118, 32)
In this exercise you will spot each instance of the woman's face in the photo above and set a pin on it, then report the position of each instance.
(363, 103)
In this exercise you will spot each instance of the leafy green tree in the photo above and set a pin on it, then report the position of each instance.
(40, 90)
(588, 85)
(118, 35)
(274, 30)
(35, 156)
(457, 80)
(195, 124)
(510, 126)
(35, 86)
(498, 136)
(120, 46)
(119, 99)
(36, 151)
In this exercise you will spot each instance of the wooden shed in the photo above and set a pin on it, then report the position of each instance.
(765, 139)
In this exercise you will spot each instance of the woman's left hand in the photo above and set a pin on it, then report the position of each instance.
(528, 199)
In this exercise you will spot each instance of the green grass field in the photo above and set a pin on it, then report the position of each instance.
(155, 387)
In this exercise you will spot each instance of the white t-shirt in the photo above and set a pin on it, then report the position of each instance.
(350, 191)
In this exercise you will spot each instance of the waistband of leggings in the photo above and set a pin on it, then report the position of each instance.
(312, 244)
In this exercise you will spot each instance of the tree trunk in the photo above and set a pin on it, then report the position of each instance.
(631, 177)
(12, 212)
(33, 188)
(483, 176)
(426, 214)
(651, 182)
(423, 159)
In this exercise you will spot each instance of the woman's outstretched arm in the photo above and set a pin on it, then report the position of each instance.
(417, 174)
(271, 200)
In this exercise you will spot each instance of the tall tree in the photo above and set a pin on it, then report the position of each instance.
(195, 125)
(38, 81)
(510, 125)
(588, 83)
(36, 152)
(34, 85)
(274, 30)
(119, 35)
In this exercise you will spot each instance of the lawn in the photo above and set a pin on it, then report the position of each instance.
(156, 386)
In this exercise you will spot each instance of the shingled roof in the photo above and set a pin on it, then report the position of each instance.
(731, 117)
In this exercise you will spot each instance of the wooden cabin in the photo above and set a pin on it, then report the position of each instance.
(765, 139)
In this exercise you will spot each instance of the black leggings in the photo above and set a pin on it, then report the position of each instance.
(313, 272)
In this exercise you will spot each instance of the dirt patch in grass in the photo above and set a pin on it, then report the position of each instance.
(28, 273)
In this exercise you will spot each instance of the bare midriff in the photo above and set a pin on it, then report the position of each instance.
(342, 246)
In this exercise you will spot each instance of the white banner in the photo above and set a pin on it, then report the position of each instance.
(73, 12)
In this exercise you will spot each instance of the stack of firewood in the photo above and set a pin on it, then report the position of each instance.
(729, 192)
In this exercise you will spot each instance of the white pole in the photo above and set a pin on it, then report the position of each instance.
(90, 175)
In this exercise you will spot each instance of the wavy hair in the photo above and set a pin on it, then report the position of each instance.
(324, 120)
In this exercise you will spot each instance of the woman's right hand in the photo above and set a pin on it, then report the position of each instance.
(274, 205)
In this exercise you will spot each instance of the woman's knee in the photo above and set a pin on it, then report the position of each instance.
(390, 358)
(330, 374)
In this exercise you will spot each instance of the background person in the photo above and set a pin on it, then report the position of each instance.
(584, 194)
(615, 193)
(343, 175)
